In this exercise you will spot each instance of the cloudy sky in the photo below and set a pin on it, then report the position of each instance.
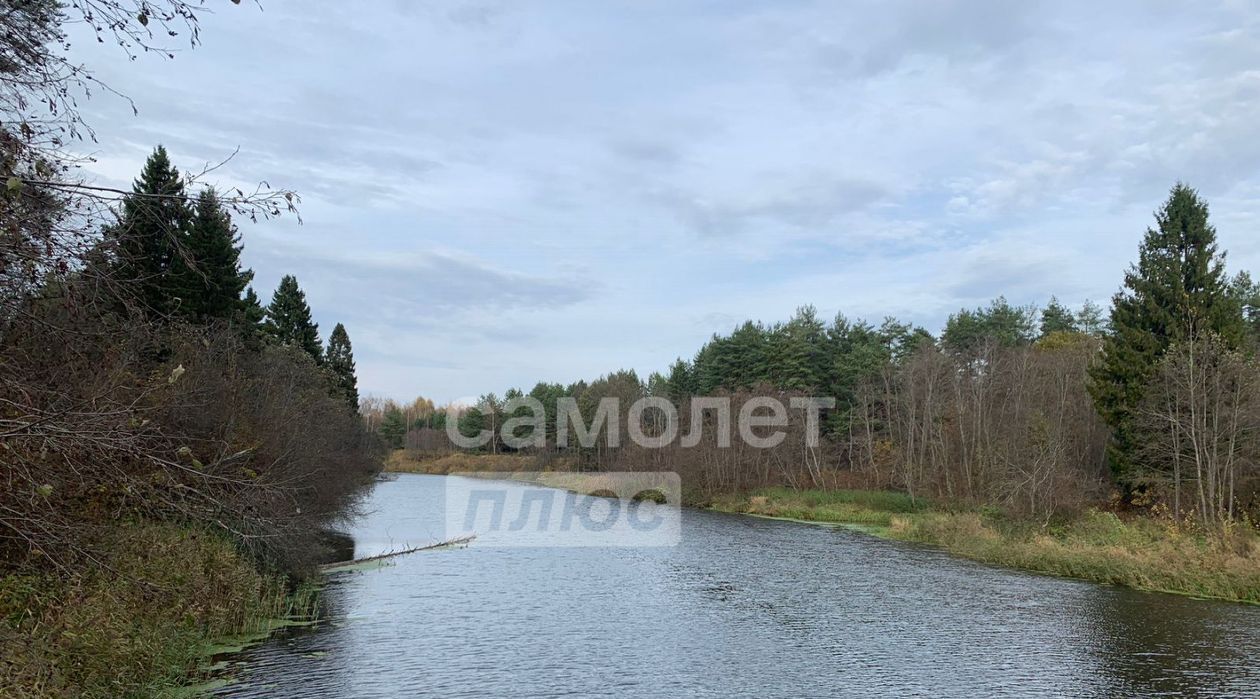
(497, 193)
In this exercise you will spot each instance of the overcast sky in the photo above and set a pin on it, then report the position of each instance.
(497, 193)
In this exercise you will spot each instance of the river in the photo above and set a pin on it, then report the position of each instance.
(740, 607)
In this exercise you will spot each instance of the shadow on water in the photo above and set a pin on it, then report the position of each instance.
(1163, 645)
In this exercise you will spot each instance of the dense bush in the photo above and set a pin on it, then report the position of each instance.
(176, 423)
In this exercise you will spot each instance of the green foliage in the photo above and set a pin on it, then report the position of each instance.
(802, 354)
(1177, 290)
(1056, 318)
(252, 319)
(680, 382)
(148, 234)
(967, 332)
(339, 360)
(796, 353)
(1090, 319)
(657, 385)
(394, 429)
(180, 260)
(289, 319)
(210, 278)
(520, 431)
(548, 394)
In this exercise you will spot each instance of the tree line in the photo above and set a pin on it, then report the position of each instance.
(1033, 409)
(182, 256)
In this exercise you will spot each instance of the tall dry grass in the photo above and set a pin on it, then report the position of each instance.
(410, 461)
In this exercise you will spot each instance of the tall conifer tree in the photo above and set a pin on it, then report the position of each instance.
(289, 319)
(1177, 290)
(253, 315)
(214, 281)
(151, 228)
(340, 361)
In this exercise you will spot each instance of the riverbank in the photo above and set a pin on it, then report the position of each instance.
(442, 464)
(1138, 552)
(143, 621)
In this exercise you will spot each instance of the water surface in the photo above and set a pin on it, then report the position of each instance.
(741, 607)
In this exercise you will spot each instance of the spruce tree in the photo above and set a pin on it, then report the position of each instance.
(251, 319)
(150, 231)
(1177, 290)
(212, 284)
(253, 315)
(339, 359)
(289, 319)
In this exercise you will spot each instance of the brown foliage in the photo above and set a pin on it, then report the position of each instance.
(104, 421)
(1011, 426)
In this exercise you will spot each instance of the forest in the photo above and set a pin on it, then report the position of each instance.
(172, 451)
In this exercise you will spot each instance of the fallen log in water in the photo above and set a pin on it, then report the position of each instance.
(360, 563)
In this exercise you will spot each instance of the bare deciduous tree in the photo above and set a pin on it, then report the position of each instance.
(1202, 422)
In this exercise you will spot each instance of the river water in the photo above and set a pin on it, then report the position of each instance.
(740, 607)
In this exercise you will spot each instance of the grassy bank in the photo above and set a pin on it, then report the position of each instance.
(141, 622)
(407, 461)
(1138, 552)
(550, 471)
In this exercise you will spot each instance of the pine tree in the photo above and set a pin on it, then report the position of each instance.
(746, 357)
(710, 367)
(1177, 290)
(799, 359)
(339, 360)
(967, 332)
(681, 382)
(150, 231)
(1090, 319)
(394, 429)
(1055, 317)
(212, 284)
(289, 319)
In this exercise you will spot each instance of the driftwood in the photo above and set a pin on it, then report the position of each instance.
(332, 567)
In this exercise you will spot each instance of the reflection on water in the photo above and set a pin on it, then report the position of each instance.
(743, 606)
